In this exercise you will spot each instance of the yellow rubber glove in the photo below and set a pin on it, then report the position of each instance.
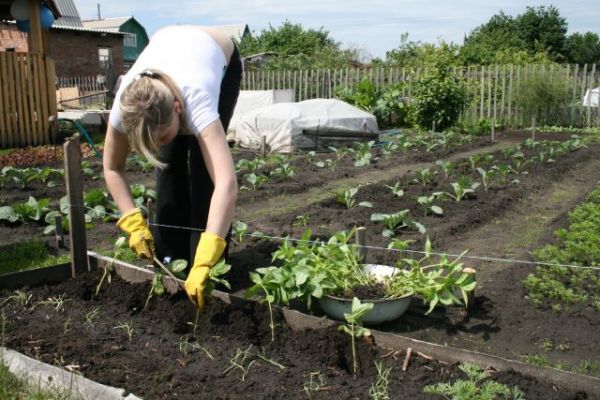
(209, 251)
(140, 237)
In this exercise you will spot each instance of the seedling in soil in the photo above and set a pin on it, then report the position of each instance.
(398, 244)
(362, 154)
(346, 197)
(316, 382)
(120, 246)
(474, 387)
(395, 222)
(241, 361)
(300, 220)
(503, 171)
(186, 347)
(424, 176)
(32, 210)
(239, 231)
(19, 297)
(127, 328)
(518, 162)
(56, 302)
(396, 190)
(486, 177)
(388, 149)
(157, 287)
(255, 181)
(92, 316)
(447, 167)
(429, 206)
(380, 388)
(462, 188)
(340, 153)
(310, 156)
(354, 327)
(329, 163)
(285, 170)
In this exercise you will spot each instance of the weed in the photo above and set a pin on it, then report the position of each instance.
(92, 316)
(186, 347)
(127, 328)
(380, 388)
(475, 387)
(316, 381)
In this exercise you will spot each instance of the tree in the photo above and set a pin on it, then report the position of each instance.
(543, 29)
(296, 47)
(498, 34)
(540, 32)
(583, 48)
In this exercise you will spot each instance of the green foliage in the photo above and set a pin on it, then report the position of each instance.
(379, 390)
(438, 98)
(354, 327)
(540, 91)
(583, 48)
(28, 255)
(562, 286)
(477, 386)
(291, 46)
(539, 34)
(347, 197)
(397, 221)
(32, 210)
(388, 105)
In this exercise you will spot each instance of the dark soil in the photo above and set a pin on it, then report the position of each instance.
(164, 358)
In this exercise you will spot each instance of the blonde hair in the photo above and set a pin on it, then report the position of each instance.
(147, 104)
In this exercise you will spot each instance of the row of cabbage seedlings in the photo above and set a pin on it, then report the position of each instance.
(98, 205)
(361, 153)
(460, 189)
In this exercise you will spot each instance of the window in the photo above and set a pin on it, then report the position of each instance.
(130, 40)
(105, 57)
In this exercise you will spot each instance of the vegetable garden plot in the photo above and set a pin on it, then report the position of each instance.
(43, 186)
(500, 320)
(163, 351)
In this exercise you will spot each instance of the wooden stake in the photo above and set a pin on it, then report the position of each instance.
(74, 184)
(406, 359)
(263, 146)
(58, 232)
(361, 241)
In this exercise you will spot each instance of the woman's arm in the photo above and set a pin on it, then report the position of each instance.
(116, 148)
(219, 164)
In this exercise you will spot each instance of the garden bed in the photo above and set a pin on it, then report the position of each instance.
(154, 352)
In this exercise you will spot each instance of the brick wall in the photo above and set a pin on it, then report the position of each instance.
(76, 53)
(12, 39)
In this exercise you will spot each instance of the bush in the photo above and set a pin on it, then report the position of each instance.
(388, 106)
(439, 97)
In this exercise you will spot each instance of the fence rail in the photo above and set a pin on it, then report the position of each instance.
(27, 99)
(91, 90)
(492, 88)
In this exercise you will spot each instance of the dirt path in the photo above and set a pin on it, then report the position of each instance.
(284, 203)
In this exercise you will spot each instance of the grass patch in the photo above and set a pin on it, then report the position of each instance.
(29, 255)
(13, 388)
(585, 367)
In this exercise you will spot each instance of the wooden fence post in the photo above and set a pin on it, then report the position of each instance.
(74, 184)
(361, 241)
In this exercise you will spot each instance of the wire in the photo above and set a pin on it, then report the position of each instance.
(439, 254)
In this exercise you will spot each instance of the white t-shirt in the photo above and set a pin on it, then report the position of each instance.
(195, 62)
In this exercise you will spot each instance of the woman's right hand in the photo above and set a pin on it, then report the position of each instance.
(140, 237)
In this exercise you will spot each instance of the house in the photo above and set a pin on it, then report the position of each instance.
(135, 39)
(27, 80)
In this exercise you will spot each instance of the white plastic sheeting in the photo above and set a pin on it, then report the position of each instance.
(284, 125)
(250, 100)
(591, 97)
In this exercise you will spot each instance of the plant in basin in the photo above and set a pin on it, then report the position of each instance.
(335, 270)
